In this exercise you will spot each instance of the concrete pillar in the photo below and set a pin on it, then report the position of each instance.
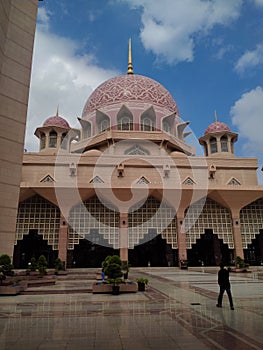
(18, 22)
(237, 236)
(181, 238)
(124, 236)
(63, 240)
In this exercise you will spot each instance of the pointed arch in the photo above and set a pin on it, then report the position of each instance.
(102, 121)
(124, 119)
(213, 144)
(224, 143)
(167, 123)
(42, 140)
(148, 120)
(53, 136)
(137, 150)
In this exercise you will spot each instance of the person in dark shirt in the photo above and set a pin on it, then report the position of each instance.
(224, 284)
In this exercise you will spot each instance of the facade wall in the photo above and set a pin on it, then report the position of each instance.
(17, 30)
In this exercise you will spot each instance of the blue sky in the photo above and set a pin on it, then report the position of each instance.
(207, 53)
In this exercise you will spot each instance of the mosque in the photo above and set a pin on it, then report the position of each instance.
(127, 182)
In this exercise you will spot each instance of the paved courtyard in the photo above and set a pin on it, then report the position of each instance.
(177, 311)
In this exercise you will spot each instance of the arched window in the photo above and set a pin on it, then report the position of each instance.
(166, 127)
(63, 144)
(86, 131)
(125, 123)
(213, 145)
(104, 125)
(224, 144)
(52, 139)
(42, 140)
(147, 124)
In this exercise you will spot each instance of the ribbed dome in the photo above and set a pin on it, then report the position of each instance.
(129, 87)
(57, 121)
(216, 127)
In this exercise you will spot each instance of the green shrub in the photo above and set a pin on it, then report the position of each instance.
(33, 264)
(59, 265)
(240, 262)
(111, 266)
(42, 265)
(6, 267)
(142, 280)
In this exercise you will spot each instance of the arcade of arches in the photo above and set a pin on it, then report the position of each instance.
(153, 233)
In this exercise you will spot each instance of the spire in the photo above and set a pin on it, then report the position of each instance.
(215, 116)
(130, 68)
(57, 111)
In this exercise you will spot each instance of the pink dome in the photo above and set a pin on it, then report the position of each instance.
(129, 87)
(57, 121)
(215, 127)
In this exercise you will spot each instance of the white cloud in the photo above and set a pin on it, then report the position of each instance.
(250, 59)
(258, 2)
(247, 116)
(60, 76)
(169, 27)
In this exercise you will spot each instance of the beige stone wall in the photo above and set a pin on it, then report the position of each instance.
(17, 30)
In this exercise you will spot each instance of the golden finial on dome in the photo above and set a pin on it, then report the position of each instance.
(130, 68)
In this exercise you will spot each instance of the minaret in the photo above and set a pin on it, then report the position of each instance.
(130, 68)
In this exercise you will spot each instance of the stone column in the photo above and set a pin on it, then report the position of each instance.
(237, 235)
(63, 240)
(124, 236)
(181, 238)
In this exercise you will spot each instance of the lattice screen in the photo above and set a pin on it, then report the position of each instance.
(150, 219)
(94, 221)
(39, 214)
(251, 221)
(208, 215)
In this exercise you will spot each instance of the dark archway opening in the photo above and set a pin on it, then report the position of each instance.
(254, 254)
(209, 250)
(32, 246)
(151, 253)
(88, 254)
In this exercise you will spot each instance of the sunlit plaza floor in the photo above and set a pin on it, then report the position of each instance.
(177, 311)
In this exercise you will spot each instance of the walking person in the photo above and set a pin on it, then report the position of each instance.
(224, 284)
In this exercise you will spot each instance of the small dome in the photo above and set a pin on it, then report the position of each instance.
(93, 152)
(216, 127)
(178, 154)
(57, 121)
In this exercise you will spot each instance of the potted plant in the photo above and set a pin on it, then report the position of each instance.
(32, 267)
(240, 265)
(184, 264)
(7, 285)
(42, 265)
(125, 267)
(142, 283)
(111, 267)
(6, 267)
(58, 266)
